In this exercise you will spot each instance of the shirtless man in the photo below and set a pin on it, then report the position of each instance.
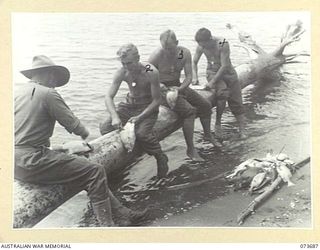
(141, 106)
(221, 77)
(170, 60)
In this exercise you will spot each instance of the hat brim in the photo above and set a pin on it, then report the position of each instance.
(61, 74)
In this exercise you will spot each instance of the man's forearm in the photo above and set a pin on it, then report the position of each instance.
(149, 109)
(111, 107)
(81, 131)
(185, 83)
(195, 71)
(218, 75)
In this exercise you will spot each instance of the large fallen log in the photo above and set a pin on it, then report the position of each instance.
(33, 202)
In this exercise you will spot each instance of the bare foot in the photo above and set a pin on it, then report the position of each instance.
(214, 141)
(194, 155)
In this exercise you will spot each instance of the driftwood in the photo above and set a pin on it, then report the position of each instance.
(259, 199)
(33, 202)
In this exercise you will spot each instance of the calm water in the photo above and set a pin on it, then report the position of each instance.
(278, 112)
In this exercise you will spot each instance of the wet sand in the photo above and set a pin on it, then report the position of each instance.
(286, 207)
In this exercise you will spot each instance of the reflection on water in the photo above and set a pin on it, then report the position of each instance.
(277, 109)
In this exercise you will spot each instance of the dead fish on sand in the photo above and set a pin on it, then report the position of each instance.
(257, 182)
(288, 162)
(242, 180)
(271, 175)
(128, 136)
(285, 174)
(250, 163)
(282, 157)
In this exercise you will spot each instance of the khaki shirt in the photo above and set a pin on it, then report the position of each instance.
(36, 109)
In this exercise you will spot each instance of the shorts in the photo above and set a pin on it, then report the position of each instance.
(228, 88)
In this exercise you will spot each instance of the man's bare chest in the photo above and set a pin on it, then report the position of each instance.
(171, 64)
(212, 55)
(138, 84)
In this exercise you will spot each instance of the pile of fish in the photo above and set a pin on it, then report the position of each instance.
(257, 174)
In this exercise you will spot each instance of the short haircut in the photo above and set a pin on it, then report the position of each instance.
(203, 34)
(128, 50)
(168, 34)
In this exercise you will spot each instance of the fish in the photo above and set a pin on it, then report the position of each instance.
(247, 166)
(285, 174)
(171, 97)
(282, 157)
(128, 136)
(264, 164)
(251, 173)
(288, 162)
(252, 163)
(257, 181)
(270, 157)
(241, 168)
(272, 174)
(241, 184)
(245, 177)
(76, 147)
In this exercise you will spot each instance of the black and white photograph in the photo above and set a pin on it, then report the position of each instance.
(162, 119)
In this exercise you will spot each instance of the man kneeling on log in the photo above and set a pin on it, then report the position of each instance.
(221, 75)
(141, 106)
(37, 108)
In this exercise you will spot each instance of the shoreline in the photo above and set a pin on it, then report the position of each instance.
(286, 207)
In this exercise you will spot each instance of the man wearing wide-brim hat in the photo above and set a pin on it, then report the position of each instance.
(37, 108)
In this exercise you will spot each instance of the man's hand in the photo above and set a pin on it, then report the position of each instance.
(209, 85)
(163, 87)
(116, 122)
(224, 93)
(134, 119)
(85, 134)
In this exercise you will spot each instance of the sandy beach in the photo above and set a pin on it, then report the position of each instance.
(286, 207)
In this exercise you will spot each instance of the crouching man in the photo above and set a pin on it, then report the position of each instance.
(141, 106)
(37, 108)
(222, 77)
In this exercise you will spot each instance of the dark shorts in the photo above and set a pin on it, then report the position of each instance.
(44, 166)
(189, 103)
(228, 88)
(144, 130)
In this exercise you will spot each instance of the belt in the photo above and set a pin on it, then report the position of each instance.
(213, 66)
(143, 100)
(172, 83)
